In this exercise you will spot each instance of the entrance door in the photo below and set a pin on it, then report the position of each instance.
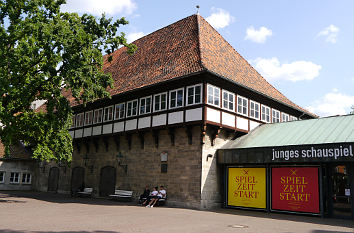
(107, 181)
(77, 179)
(341, 192)
(53, 179)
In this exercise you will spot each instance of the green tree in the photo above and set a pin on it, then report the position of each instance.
(43, 53)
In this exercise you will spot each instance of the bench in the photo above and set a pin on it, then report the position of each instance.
(122, 194)
(86, 193)
(162, 201)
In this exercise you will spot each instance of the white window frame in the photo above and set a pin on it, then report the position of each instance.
(86, 117)
(132, 104)
(213, 96)
(145, 110)
(3, 177)
(273, 117)
(96, 111)
(110, 113)
(18, 178)
(228, 100)
(176, 101)
(283, 115)
(265, 114)
(79, 119)
(292, 118)
(242, 107)
(25, 174)
(201, 94)
(73, 121)
(119, 111)
(253, 111)
(160, 102)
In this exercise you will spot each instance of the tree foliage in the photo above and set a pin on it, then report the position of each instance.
(44, 51)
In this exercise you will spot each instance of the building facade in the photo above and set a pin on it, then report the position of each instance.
(183, 94)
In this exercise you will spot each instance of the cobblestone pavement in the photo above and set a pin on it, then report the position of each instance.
(24, 212)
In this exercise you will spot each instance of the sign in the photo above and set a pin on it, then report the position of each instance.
(295, 189)
(347, 192)
(247, 187)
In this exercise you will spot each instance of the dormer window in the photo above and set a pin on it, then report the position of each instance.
(194, 94)
(145, 105)
(176, 98)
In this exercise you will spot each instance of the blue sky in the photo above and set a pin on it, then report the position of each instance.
(304, 48)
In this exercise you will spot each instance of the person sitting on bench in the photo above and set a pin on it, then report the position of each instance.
(151, 196)
(161, 194)
(145, 195)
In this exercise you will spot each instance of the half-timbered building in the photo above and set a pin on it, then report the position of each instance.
(182, 95)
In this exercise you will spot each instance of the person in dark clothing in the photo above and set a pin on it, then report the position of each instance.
(145, 194)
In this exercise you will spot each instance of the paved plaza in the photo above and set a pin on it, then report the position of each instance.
(23, 212)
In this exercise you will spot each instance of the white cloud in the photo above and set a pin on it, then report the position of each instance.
(134, 36)
(333, 103)
(98, 7)
(258, 36)
(220, 18)
(330, 32)
(295, 71)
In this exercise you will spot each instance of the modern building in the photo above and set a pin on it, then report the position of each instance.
(182, 95)
(302, 167)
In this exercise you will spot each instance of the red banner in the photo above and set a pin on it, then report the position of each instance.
(295, 189)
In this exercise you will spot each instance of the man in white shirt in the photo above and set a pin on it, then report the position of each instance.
(161, 194)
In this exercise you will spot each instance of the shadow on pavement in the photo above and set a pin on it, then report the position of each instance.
(5, 196)
(290, 217)
(14, 231)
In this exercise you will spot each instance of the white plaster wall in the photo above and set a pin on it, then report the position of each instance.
(131, 124)
(242, 123)
(78, 133)
(118, 127)
(144, 122)
(97, 130)
(253, 124)
(175, 117)
(107, 128)
(213, 115)
(72, 132)
(87, 132)
(194, 114)
(228, 119)
(159, 120)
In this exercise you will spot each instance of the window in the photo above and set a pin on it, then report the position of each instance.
(228, 100)
(97, 116)
(2, 176)
(265, 113)
(160, 102)
(254, 110)
(242, 105)
(80, 120)
(176, 98)
(26, 178)
(284, 117)
(73, 121)
(145, 105)
(213, 95)
(132, 108)
(14, 177)
(275, 116)
(120, 111)
(108, 113)
(292, 118)
(194, 94)
(88, 117)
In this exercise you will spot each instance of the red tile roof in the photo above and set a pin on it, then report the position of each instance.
(188, 46)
